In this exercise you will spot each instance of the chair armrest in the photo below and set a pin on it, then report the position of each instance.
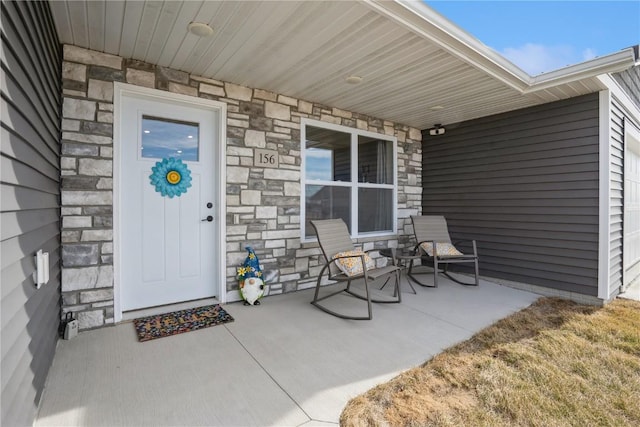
(473, 244)
(348, 256)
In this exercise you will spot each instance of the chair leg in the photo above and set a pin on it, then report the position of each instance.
(366, 297)
(366, 289)
(475, 253)
(316, 299)
(398, 285)
(476, 283)
(411, 277)
(435, 272)
(315, 296)
(385, 284)
(477, 273)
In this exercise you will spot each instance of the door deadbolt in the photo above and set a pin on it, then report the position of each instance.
(208, 218)
(209, 205)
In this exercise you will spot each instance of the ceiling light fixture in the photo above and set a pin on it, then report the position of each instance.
(354, 80)
(200, 29)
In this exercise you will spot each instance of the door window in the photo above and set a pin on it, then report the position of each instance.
(162, 138)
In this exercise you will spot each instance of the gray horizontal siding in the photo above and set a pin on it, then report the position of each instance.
(629, 80)
(30, 210)
(524, 184)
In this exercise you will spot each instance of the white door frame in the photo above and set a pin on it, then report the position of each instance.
(123, 89)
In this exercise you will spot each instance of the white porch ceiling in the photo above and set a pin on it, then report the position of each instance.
(411, 59)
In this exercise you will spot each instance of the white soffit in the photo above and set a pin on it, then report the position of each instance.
(410, 57)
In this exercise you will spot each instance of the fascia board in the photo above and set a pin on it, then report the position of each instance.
(612, 63)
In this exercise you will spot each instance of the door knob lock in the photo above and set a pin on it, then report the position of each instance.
(208, 218)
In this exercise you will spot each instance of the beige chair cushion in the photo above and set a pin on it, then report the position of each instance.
(352, 265)
(442, 249)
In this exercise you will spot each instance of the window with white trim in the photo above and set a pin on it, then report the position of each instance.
(350, 174)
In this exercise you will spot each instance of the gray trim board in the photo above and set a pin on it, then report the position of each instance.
(30, 210)
(524, 184)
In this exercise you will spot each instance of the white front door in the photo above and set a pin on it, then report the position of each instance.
(167, 244)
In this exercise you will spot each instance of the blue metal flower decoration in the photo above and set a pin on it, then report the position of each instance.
(171, 177)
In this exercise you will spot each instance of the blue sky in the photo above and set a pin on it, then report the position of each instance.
(541, 36)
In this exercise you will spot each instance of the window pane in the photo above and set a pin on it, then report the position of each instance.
(325, 202)
(169, 138)
(327, 155)
(375, 160)
(375, 209)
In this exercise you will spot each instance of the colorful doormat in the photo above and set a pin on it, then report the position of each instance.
(177, 322)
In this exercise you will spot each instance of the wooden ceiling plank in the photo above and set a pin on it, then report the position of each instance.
(60, 13)
(266, 53)
(130, 25)
(114, 16)
(96, 24)
(316, 44)
(162, 31)
(187, 14)
(402, 93)
(417, 74)
(395, 104)
(146, 28)
(79, 27)
(230, 25)
(267, 18)
(408, 58)
(192, 44)
(333, 62)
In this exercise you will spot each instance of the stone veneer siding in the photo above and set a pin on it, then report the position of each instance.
(263, 205)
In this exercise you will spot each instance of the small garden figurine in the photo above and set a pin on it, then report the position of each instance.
(250, 279)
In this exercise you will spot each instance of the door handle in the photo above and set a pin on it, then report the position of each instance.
(208, 218)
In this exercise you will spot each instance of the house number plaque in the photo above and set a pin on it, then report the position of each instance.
(265, 158)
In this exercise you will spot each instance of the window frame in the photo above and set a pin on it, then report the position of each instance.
(354, 184)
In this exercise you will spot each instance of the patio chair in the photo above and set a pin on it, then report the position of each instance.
(344, 263)
(434, 243)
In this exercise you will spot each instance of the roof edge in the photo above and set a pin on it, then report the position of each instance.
(606, 64)
(429, 24)
(426, 22)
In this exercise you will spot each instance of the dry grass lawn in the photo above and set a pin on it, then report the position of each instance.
(555, 363)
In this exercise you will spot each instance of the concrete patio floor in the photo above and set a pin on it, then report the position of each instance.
(283, 363)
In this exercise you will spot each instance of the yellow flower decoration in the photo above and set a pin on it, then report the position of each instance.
(173, 177)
